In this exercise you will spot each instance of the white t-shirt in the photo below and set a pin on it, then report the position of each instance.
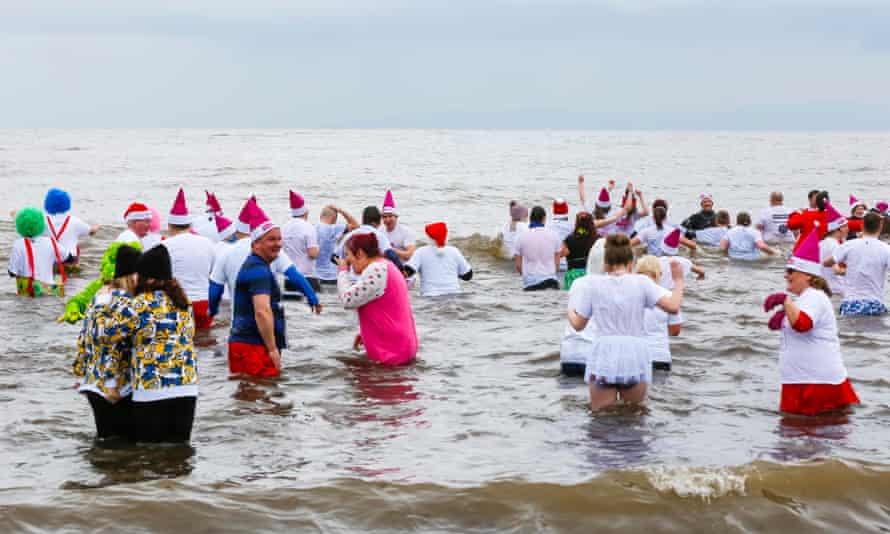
(68, 238)
(867, 262)
(562, 227)
(617, 303)
(205, 225)
(192, 259)
(510, 238)
(711, 237)
(226, 267)
(653, 237)
(577, 346)
(827, 248)
(149, 241)
(401, 236)
(743, 243)
(538, 248)
(438, 269)
(297, 237)
(812, 357)
(774, 220)
(667, 279)
(657, 322)
(44, 259)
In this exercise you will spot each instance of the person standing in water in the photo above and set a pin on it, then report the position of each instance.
(773, 221)
(576, 247)
(704, 218)
(518, 224)
(837, 235)
(743, 242)
(660, 325)
(300, 243)
(34, 257)
(138, 218)
(65, 228)
(538, 254)
(864, 263)
(401, 238)
(329, 231)
(440, 266)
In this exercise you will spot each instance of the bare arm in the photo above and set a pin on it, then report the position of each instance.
(671, 303)
(406, 253)
(699, 272)
(518, 263)
(581, 194)
(556, 258)
(724, 246)
(766, 248)
(599, 223)
(351, 223)
(312, 252)
(688, 243)
(643, 208)
(578, 322)
(564, 251)
(265, 323)
(792, 312)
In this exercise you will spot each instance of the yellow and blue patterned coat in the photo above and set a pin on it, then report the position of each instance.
(103, 363)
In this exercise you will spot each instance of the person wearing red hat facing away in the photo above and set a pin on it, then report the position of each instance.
(814, 378)
(559, 224)
(138, 219)
(837, 234)
(864, 262)
(206, 224)
(743, 242)
(300, 242)
(380, 296)
(439, 265)
(401, 238)
(192, 256)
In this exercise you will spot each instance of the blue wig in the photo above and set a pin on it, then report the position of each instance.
(57, 201)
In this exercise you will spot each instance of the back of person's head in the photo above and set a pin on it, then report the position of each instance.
(812, 194)
(659, 212)
(371, 215)
(822, 200)
(722, 218)
(872, 223)
(328, 214)
(156, 274)
(366, 242)
(649, 266)
(518, 212)
(584, 224)
(537, 215)
(743, 219)
(618, 251)
(776, 197)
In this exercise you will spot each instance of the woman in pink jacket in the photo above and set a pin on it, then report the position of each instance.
(386, 322)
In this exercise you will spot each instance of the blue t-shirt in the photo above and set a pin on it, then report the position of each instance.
(255, 278)
(327, 243)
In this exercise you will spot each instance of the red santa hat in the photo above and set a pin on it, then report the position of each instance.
(224, 227)
(835, 219)
(244, 216)
(560, 207)
(179, 214)
(297, 205)
(438, 232)
(137, 211)
(260, 224)
(806, 256)
(389, 205)
(670, 245)
(212, 203)
(604, 200)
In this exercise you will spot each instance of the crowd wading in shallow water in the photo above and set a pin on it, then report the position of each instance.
(137, 367)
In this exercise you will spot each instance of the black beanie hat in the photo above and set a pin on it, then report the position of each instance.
(155, 264)
(127, 258)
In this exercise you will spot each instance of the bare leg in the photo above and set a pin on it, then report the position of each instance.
(602, 397)
(636, 394)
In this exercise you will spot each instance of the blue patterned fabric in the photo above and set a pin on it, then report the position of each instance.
(862, 307)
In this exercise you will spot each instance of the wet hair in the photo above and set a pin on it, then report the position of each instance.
(817, 282)
(743, 218)
(170, 287)
(650, 266)
(659, 213)
(600, 212)
(618, 250)
(371, 216)
(821, 200)
(722, 217)
(812, 193)
(180, 227)
(585, 230)
(367, 243)
(537, 215)
(871, 223)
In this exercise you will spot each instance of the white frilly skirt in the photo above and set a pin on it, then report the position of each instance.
(619, 361)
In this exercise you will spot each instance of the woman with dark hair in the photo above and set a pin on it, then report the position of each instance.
(161, 329)
(576, 247)
(380, 295)
(619, 365)
(653, 235)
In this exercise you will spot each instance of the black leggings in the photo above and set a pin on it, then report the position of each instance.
(163, 421)
(550, 283)
(111, 419)
(573, 369)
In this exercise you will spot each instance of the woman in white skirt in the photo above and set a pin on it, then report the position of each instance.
(620, 365)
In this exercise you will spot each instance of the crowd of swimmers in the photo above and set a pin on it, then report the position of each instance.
(136, 362)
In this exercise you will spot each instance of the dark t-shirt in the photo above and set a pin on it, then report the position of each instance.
(255, 278)
(579, 248)
(700, 220)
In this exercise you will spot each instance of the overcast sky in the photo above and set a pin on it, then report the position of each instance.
(595, 64)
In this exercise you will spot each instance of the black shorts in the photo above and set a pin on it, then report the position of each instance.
(550, 283)
(111, 419)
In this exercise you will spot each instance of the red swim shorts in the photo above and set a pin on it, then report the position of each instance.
(810, 399)
(203, 320)
(253, 360)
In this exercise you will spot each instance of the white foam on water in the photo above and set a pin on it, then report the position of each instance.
(698, 482)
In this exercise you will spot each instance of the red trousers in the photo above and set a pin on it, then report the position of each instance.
(203, 320)
(253, 360)
(810, 399)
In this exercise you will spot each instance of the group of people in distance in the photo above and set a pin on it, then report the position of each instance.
(137, 365)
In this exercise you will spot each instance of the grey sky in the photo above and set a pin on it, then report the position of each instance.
(424, 63)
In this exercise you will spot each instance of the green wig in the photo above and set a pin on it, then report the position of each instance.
(29, 222)
(77, 306)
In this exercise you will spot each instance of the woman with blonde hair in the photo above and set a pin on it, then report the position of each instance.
(659, 324)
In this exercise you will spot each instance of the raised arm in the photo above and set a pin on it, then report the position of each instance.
(351, 222)
(581, 195)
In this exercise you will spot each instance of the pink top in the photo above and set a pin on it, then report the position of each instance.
(386, 321)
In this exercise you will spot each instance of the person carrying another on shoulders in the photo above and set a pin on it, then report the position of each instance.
(65, 228)
(192, 257)
(329, 231)
(704, 218)
(138, 217)
(440, 265)
(864, 263)
(380, 296)
(773, 222)
(300, 243)
(711, 237)
(401, 238)
(659, 324)
(102, 368)
(537, 254)
(34, 256)
(814, 378)
(620, 365)
(509, 235)
(743, 242)
(576, 247)
(653, 235)
(837, 235)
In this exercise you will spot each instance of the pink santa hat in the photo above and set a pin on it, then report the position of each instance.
(389, 205)
(882, 206)
(155, 225)
(853, 201)
(244, 216)
(297, 205)
(179, 214)
(835, 219)
(604, 200)
(224, 227)
(670, 245)
(212, 203)
(260, 224)
(806, 256)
